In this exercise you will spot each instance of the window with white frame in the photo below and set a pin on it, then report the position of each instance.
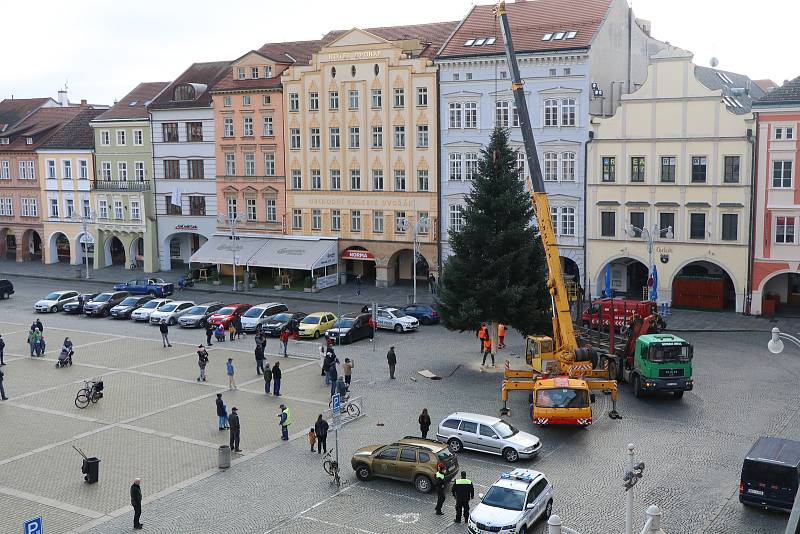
(333, 138)
(336, 220)
(120, 137)
(249, 164)
(83, 169)
(69, 208)
(294, 102)
(105, 138)
(246, 100)
(138, 137)
(568, 110)
(502, 113)
(423, 183)
(297, 219)
(226, 101)
(784, 229)
(272, 210)
(377, 179)
(6, 206)
(136, 212)
(266, 126)
(66, 169)
(50, 169)
(336, 179)
(455, 166)
(297, 179)
(294, 138)
(352, 99)
(227, 127)
(86, 208)
(354, 137)
(269, 164)
(422, 136)
(313, 101)
(250, 205)
(138, 171)
(456, 218)
(316, 220)
(399, 97)
(781, 174)
(314, 139)
(377, 99)
(550, 167)
(118, 212)
(230, 164)
(554, 212)
(514, 116)
(247, 126)
(53, 207)
(470, 165)
(568, 166)
(122, 171)
(232, 208)
(521, 165)
(455, 111)
(399, 180)
(551, 112)
(377, 136)
(30, 170)
(30, 207)
(355, 221)
(377, 221)
(5, 170)
(567, 227)
(316, 179)
(422, 96)
(105, 170)
(355, 180)
(102, 209)
(400, 222)
(470, 114)
(399, 136)
(333, 99)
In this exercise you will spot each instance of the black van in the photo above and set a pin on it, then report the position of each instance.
(6, 288)
(770, 474)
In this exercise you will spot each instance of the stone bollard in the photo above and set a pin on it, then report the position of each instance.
(653, 514)
(554, 525)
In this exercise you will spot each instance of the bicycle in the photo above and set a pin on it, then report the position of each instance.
(90, 393)
(133, 266)
(331, 467)
(348, 407)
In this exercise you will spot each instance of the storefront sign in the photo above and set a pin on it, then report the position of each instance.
(186, 227)
(327, 281)
(358, 255)
(354, 56)
(426, 203)
(664, 253)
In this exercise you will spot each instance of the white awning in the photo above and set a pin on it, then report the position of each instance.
(220, 249)
(303, 254)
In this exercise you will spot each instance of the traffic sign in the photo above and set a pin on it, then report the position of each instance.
(336, 405)
(33, 526)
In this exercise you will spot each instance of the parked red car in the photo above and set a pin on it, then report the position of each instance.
(225, 315)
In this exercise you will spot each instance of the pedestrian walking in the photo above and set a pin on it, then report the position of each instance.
(40, 344)
(164, 329)
(358, 285)
(330, 361)
(424, 423)
(482, 334)
(219, 333)
(32, 343)
(39, 325)
(371, 324)
(439, 483)
(2, 348)
(136, 502)
(231, 330)
(487, 350)
(202, 361)
(432, 283)
(285, 419)
(321, 430)
(276, 377)
(222, 413)
(463, 491)
(235, 429)
(285, 341)
(229, 370)
(347, 368)
(333, 375)
(312, 439)
(237, 325)
(261, 340)
(267, 377)
(322, 357)
(501, 336)
(391, 359)
(209, 333)
(259, 359)
(341, 388)
(2, 389)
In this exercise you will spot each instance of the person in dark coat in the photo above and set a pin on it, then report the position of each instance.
(321, 429)
(432, 283)
(136, 502)
(276, 377)
(391, 359)
(333, 375)
(330, 361)
(164, 329)
(233, 424)
(39, 325)
(259, 359)
(222, 412)
(463, 491)
(2, 348)
(237, 323)
(209, 333)
(424, 423)
(439, 483)
(202, 361)
(2, 389)
(267, 377)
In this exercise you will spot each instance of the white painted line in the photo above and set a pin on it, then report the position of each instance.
(338, 525)
(168, 435)
(50, 502)
(312, 507)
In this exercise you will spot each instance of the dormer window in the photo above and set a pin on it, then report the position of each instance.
(4, 141)
(183, 92)
(267, 72)
(29, 140)
(241, 73)
(254, 72)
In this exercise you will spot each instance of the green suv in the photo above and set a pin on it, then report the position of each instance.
(409, 460)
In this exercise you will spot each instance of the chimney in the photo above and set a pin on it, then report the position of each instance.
(63, 101)
(84, 102)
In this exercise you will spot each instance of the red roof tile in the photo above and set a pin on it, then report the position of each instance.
(13, 110)
(433, 35)
(40, 125)
(199, 73)
(299, 51)
(76, 133)
(141, 95)
(529, 21)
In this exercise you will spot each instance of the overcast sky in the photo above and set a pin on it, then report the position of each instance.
(103, 49)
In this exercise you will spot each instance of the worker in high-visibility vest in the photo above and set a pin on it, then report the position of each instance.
(285, 421)
(440, 484)
(501, 336)
(463, 491)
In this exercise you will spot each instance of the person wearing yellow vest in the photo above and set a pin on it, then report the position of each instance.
(463, 491)
(285, 420)
(439, 484)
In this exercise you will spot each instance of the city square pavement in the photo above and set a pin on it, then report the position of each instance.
(157, 423)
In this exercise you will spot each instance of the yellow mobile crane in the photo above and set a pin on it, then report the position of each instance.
(562, 376)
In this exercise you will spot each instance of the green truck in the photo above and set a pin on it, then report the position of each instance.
(655, 362)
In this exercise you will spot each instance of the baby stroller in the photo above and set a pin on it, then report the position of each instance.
(65, 357)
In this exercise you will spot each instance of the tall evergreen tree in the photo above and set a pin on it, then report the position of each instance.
(497, 272)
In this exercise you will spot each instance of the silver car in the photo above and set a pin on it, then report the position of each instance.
(143, 313)
(484, 433)
(171, 312)
(260, 314)
(55, 301)
(198, 315)
(513, 504)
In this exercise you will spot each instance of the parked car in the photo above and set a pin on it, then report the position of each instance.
(225, 315)
(278, 323)
(6, 288)
(513, 504)
(315, 324)
(76, 306)
(424, 313)
(55, 301)
(395, 319)
(198, 315)
(155, 287)
(143, 313)
(409, 460)
(124, 309)
(100, 306)
(485, 433)
(350, 327)
(171, 312)
(260, 314)
(770, 474)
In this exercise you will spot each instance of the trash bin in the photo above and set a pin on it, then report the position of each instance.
(91, 469)
(239, 285)
(224, 456)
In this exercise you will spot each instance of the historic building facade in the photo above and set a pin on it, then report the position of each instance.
(672, 169)
(123, 188)
(568, 52)
(362, 149)
(776, 255)
(184, 164)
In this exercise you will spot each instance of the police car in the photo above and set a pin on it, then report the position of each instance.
(513, 504)
(397, 320)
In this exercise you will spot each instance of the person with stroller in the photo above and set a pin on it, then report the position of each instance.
(65, 356)
(219, 333)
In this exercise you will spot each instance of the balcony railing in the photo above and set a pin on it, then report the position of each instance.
(120, 185)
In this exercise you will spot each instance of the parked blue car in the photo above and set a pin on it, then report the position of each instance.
(424, 313)
(155, 287)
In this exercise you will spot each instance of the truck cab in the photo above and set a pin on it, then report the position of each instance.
(661, 362)
(561, 401)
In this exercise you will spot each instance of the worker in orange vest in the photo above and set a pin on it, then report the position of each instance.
(501, 335)
(482, 334)
(487, 350)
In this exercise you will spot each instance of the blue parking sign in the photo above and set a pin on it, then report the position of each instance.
(336, 405)
(32, 526)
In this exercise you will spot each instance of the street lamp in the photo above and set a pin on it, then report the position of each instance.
(85, 220)
(776, 345)
(234, 245)
(650, 237)
(420, 225)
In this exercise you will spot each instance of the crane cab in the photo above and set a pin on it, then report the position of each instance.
(540, 354)
(561, 401)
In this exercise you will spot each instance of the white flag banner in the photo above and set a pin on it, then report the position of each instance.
(176, 196)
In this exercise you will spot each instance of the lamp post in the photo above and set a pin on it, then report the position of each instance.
(650, 237)
(84, 220)
(420, 225)
(234, 246)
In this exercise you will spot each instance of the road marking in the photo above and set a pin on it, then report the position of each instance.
(408, 518)
(338, 525)
(50, 502)
(312, 507)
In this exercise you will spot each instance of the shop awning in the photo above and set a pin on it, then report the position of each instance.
(302, 254)
(220, 249)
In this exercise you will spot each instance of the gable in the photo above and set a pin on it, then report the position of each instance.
(252, 59)
(356, 37)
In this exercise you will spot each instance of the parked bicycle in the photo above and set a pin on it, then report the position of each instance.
(331, 467)
(91, 392)
(348, 407)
